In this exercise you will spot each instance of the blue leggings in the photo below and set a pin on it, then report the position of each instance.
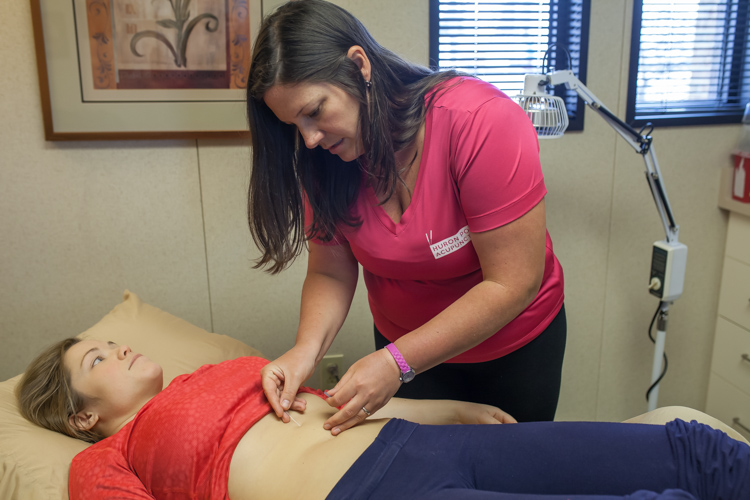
(549, 460)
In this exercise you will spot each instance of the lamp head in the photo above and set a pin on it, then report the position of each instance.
(546, 112)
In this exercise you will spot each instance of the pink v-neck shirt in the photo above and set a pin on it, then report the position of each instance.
(479, 170)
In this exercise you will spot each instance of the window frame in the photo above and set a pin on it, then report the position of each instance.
(715, 117)
(575, 116)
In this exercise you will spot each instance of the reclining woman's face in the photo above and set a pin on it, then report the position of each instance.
(115, 382)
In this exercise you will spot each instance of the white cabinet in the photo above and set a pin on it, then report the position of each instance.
(729, 383)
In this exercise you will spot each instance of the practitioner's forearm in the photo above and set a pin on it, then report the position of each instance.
(327, 294)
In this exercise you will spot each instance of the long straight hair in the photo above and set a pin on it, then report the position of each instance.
(308, 41)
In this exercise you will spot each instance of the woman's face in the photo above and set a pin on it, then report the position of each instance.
(116, 381)
(324, 114)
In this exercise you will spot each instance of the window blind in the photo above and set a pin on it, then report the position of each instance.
(500, 41)
(690, 62)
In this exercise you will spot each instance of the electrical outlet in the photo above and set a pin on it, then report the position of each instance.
(331, 370)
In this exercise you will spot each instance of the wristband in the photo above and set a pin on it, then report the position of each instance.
(407, 372)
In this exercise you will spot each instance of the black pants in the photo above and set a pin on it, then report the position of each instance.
(524, 383)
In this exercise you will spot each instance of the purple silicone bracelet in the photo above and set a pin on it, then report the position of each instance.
(400, 361)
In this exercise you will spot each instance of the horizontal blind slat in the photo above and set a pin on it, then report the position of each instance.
(502, 41)
(686, 65)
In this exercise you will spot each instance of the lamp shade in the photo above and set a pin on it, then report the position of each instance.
(546, 112)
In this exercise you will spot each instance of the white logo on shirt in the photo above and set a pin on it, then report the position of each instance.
(450, 244)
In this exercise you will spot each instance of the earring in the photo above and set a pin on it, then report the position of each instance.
(368, 84)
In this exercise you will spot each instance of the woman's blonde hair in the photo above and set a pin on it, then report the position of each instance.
(46, 396)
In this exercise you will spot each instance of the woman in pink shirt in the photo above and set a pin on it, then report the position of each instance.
(431, 182)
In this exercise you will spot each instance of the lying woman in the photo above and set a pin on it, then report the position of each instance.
(212, 434)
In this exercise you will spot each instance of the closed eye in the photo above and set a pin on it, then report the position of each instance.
(315, 113)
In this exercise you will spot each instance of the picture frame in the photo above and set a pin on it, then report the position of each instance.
(96, 84)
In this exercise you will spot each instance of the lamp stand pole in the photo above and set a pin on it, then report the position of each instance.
(669, 256)
(656, 369)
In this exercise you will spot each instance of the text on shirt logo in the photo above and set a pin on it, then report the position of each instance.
(449, 244)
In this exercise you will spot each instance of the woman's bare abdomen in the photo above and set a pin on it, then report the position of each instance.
(278, 460)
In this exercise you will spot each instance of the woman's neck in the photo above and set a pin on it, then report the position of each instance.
(112, 425)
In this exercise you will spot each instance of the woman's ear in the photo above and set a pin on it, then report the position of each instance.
(83, 420)
(357, 54)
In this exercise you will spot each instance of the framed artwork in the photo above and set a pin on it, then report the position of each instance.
(144, 69)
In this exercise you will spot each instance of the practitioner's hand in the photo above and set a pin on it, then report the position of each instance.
(369, 383)
(281, 380)
(475, 413)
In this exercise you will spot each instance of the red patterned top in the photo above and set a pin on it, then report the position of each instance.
(180, 444)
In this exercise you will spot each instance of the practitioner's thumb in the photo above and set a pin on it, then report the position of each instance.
(287, 397)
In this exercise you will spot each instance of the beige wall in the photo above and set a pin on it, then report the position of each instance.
(83, 221)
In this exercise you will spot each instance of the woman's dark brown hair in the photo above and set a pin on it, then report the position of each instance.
(308, 41)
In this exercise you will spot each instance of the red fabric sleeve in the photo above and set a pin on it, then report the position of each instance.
(103, 474)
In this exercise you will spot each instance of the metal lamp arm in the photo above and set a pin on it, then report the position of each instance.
(640, 142)
(632, 136)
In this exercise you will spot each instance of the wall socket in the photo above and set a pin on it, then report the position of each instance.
(331, 370)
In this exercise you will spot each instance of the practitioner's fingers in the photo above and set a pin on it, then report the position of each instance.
(272, 381)
(289, 394)
(352, 416)
(282, 378)
(299, 405)
(363, 390)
